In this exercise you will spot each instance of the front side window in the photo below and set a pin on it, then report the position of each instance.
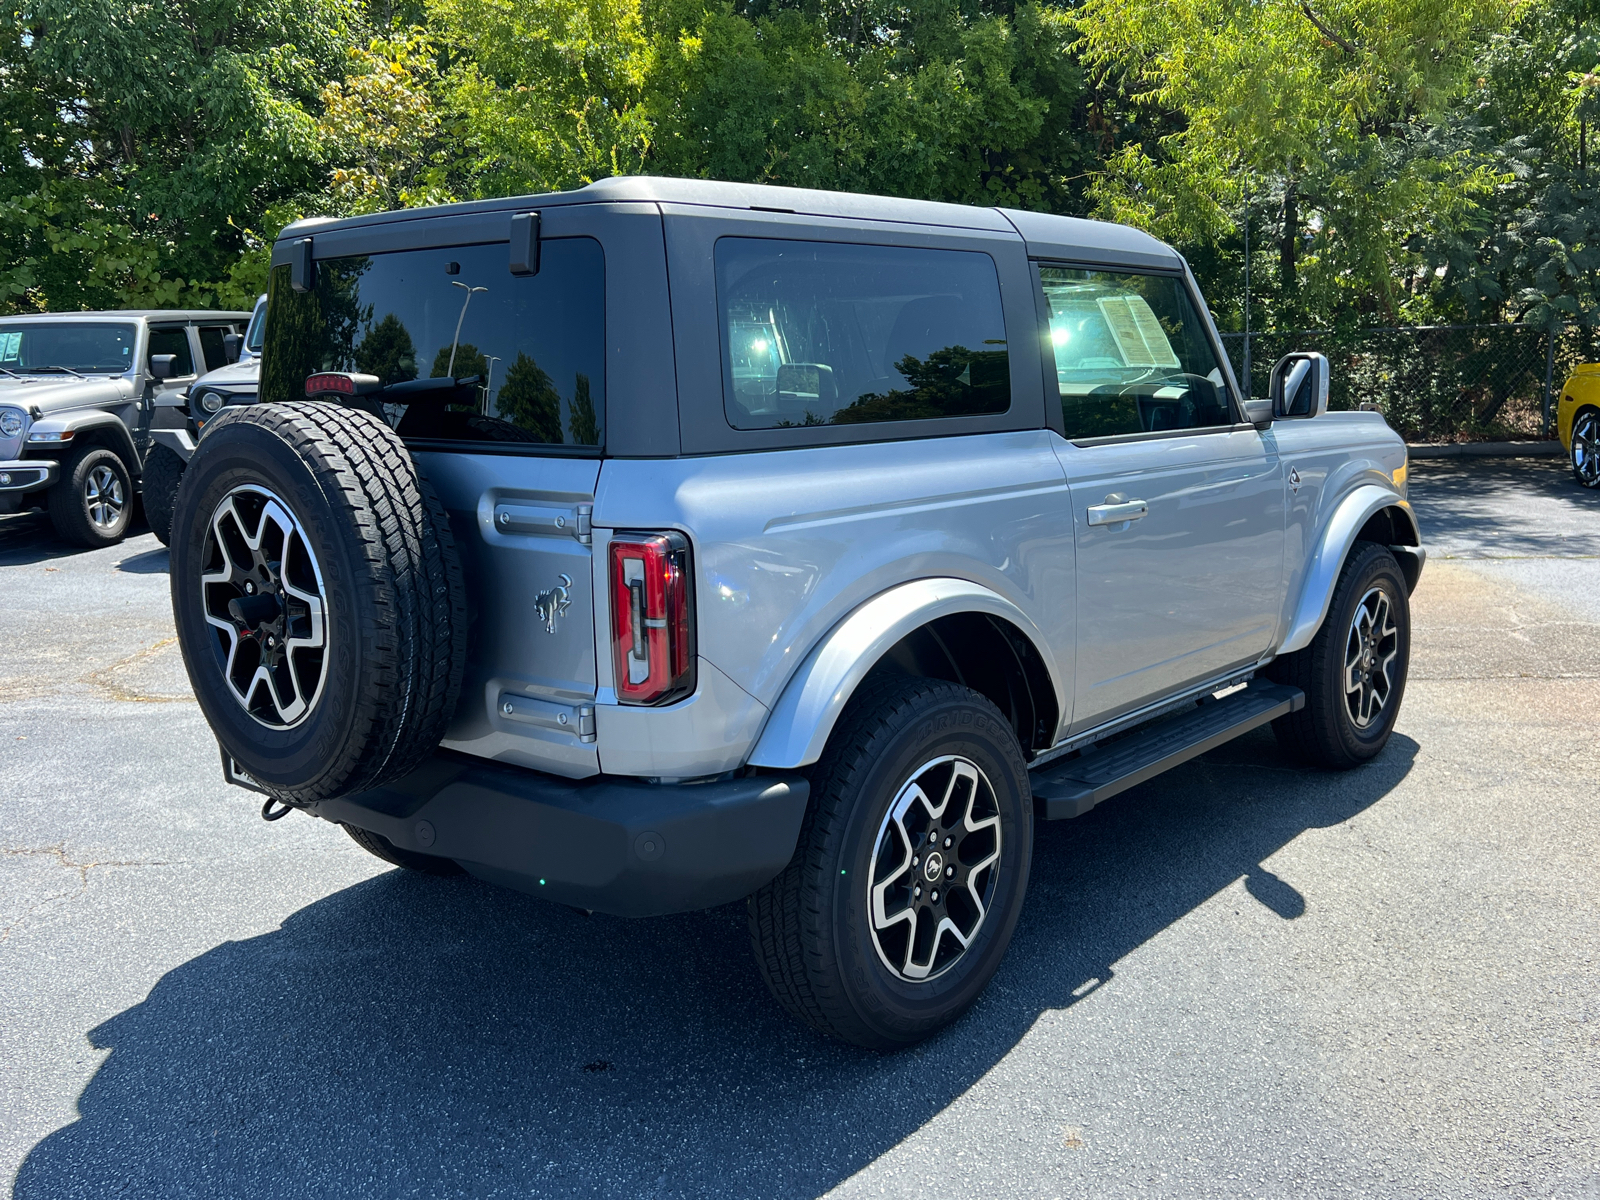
(464, 351)
(823, 333)
(63, 347)
(174, 341)
(1131, 354)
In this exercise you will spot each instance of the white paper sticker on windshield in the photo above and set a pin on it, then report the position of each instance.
(1138, 331)
(10, 346)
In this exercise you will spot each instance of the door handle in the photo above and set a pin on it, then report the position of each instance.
(1116, 510)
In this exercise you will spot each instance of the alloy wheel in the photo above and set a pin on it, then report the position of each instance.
(934, 868)
(1370, 650)
(102, 492)
(1586, 449)
(261, 590)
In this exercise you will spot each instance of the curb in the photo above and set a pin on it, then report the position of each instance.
(1483, 449)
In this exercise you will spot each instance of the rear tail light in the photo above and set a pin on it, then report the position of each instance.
(652, 617)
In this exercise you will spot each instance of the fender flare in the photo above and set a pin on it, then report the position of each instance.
(95, 422)
(816, 694)
(176, 440)
(1354, 511)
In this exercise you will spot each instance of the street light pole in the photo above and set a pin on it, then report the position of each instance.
(471, 292)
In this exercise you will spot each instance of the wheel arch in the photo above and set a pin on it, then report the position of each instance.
(93, 429)
(938, 628)
(1369, 513)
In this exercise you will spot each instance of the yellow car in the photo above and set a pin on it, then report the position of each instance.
(1578, 422)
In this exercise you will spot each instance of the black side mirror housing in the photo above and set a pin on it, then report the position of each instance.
(163, 366)
(230, 346)
(1298, 385)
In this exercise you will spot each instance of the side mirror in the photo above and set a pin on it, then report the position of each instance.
(1258, 413)
(230, 346)
(1298, 385)
(163, 366)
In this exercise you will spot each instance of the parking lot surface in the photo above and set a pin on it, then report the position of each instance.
(1243, 978)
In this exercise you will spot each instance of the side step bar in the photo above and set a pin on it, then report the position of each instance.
(1072, 788)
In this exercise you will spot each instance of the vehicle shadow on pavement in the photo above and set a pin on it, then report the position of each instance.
(28, 538)
(416, 1035)
(1459, 500)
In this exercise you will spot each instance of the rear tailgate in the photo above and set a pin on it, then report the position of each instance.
(522, 526)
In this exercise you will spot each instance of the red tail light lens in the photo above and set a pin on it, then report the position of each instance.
(652, 618)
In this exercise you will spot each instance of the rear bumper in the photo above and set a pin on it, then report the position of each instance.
(607, 843)
(26, 475)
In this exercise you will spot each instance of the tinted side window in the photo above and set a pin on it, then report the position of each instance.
(465, 351)
(1131, 354)
(175, 342)
(823, 333)
(216, 354)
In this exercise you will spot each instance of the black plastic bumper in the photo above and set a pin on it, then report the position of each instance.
(609, 844)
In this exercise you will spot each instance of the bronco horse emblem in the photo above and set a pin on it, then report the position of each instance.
(550, 605)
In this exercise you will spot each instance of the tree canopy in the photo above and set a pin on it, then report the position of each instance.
(1392, 160)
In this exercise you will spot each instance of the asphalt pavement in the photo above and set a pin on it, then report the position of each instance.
(1244, 978)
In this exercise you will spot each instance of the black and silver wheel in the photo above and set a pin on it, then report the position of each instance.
(91, 502)
(1585, 453)
(319, 601)
(1354, 671)
(262, 591)
(910, 870)
(158, 488)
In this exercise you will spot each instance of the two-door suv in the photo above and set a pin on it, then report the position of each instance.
(85, 401)
(663, 544)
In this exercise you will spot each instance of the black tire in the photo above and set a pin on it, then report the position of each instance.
(390, 594)
(377, 844)
(163, 471)
(1329, 731)
(91, 501)
(811, 927)
(1583, 455)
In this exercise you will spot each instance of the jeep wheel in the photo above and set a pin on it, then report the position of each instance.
(382, 847)
(1354, 671)
(163, 470)
(910, 870)
(91, 501)
(318, 597)
(1586, 448)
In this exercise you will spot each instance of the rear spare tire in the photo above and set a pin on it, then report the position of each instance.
(319, 599)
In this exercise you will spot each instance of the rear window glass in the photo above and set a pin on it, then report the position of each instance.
(822, 333)
(173, 341)
(1131, 354)
(62, 346)
(464, 350)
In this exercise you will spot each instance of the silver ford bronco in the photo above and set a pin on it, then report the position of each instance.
(85, 398)
(665, 543)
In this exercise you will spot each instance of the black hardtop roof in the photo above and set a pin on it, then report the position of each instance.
(133, 314)
(1047, 235)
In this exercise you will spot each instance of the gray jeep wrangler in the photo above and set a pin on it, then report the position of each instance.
(665, 543)
(84, 398)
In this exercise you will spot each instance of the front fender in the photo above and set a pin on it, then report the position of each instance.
(105, 427)
(806, 712)
(1353, 512)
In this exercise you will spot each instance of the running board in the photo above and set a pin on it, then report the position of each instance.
(1072, 788)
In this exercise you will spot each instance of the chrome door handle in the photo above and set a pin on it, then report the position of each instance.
(1116, 510)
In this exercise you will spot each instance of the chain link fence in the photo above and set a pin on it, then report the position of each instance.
(1436, 383)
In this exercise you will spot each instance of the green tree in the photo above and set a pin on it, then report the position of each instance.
(387, 351)
(582, 424)
(529, 400)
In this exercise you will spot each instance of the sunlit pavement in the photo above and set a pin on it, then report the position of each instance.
(1241, 979)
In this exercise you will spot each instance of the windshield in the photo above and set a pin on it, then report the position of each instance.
(258, 323)
(40, 347)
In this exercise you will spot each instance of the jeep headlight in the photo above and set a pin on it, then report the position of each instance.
(10, 422)
(209, 402)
